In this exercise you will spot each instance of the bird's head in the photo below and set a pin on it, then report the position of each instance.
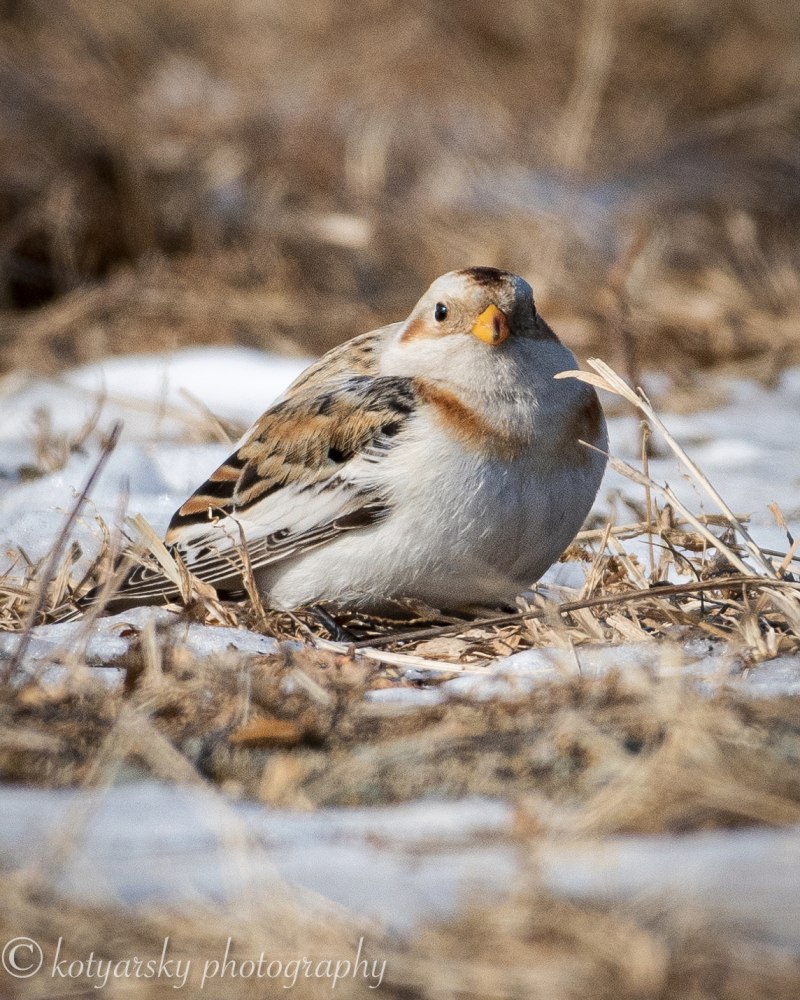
(484, 303)
(471, 323)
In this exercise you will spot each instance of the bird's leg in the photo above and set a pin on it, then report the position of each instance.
(338, 633)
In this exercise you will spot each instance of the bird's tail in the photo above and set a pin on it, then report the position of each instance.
(131, 583)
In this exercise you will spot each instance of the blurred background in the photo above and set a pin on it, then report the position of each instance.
(286, 174)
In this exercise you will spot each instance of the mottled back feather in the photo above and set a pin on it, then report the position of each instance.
(317, 441)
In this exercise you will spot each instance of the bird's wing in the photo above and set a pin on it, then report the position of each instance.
(308, 470)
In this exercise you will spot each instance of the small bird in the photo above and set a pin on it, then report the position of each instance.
(437, 460)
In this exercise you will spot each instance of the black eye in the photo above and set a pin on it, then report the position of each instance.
(440, 312)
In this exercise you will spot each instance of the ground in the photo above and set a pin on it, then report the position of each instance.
(407, 778)
(597, 797)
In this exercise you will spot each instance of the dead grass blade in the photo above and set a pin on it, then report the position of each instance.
(55, 553)
(606, 378)
(741, 582)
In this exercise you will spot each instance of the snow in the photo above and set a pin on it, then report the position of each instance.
(233, 382)
(111, 637)
(158, 462)
(709, 664)
(749, 448)
(396, 866)
(219, 849)
(149, 392)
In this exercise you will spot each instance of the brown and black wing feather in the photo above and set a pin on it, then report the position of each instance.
(300, 478)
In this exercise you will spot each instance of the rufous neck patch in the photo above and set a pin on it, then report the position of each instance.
(468, 426)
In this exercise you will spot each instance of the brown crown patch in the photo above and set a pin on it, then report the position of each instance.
(486, 277)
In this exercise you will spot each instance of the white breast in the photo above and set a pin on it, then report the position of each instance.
(464, 529)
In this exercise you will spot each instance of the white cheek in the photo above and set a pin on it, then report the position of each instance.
(457, 359)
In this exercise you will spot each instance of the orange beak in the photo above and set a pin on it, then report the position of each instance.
(491, 326)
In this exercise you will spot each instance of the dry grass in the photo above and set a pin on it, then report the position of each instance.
(295, 729)
(535, 947)
(229, 172)
(578, 757)
(285, 177)
(284, 926)
(588, 756)
(530, 948)
(627, 753)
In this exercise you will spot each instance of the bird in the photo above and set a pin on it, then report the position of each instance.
(435, 460)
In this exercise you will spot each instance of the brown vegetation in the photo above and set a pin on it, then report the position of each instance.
(530, 948)
(288, 176)
(579, 756)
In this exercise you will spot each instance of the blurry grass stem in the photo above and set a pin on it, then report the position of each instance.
(57, 549)
(606, 378)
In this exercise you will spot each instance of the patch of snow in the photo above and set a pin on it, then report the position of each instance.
(233, 382)
(146, 843)
(149, 466)
(748, 878)
(62, 643)
(148, 393)
(179, 465)
(407, 695)
(708, 663)
(749, 447)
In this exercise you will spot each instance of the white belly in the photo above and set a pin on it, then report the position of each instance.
(464, 530)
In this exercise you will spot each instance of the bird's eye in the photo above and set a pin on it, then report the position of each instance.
(440, 312)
